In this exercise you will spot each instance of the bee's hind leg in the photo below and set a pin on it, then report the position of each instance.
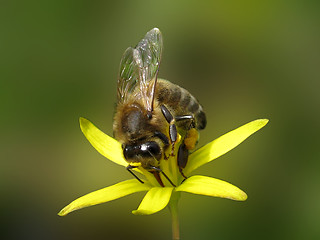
(173, 133)
(189, 143)
(182, 159)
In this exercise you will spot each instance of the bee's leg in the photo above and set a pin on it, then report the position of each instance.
(172, 127)
(165, 140)
(129, 167)
(189, 118)
(186, 117)
(162, 137)
(157, 170)
(189, 143)
(182, 159)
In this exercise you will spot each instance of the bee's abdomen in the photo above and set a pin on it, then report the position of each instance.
(181, 102)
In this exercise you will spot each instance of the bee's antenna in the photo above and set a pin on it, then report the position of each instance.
(165, 175)
(129, 170)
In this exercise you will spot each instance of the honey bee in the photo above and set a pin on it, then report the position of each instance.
(151, 112)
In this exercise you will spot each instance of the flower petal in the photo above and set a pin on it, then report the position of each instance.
(105, 145)
(106, 194)
(212, 187)
(155, 200)
(223, 144)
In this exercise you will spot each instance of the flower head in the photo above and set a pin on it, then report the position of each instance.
(158, 197)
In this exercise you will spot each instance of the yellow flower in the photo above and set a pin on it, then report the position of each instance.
(158, 197)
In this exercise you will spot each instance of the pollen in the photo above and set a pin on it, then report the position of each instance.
(191, 139)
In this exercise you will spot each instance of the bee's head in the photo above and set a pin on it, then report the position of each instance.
(146, 150)
(135, 123)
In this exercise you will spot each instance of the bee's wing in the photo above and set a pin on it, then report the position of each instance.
(147, 57)
(127, 79)
(139, 66)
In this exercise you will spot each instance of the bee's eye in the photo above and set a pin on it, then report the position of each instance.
(150, 149)
(153, 148)
(128, 151)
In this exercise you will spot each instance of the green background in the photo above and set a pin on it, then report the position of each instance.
(243, 60)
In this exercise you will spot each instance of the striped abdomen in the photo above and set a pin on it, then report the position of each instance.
(180, 102)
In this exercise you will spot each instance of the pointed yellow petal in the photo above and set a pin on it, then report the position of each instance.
(106, 194)
(107, 146)
(212, 187)
(155, 200)
(223, 144)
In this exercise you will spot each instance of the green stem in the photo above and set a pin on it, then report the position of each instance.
(173, 206)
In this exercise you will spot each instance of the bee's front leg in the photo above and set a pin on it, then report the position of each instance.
(165, 140)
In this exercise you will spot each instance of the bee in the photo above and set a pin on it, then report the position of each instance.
(151, 112)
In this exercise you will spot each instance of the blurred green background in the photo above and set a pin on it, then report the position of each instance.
(243, 60)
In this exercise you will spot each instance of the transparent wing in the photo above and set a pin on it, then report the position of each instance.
(147, 57)
(139, 66)
(127, 79)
